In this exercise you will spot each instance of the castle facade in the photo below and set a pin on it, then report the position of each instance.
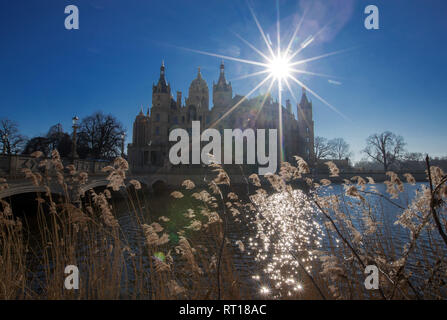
(150, 140)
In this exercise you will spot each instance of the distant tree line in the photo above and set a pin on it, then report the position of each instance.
(383, 151)
(99, 136)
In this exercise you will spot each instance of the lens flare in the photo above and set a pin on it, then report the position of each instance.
(278, 64)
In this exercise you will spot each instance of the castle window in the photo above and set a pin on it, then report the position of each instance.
(175, 120)
(207, 119)
(307, 130)
(200, 118)
(157, 131)
(157, 117)
(183, 119)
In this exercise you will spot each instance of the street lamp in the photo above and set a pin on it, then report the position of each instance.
(123, 138)
(74, 154)
(5, 141)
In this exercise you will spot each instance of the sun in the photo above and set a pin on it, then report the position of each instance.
(279, 67)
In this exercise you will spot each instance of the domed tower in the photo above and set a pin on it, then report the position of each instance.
(306, 128)
(222, 94)
(197, 103)
(198, 94)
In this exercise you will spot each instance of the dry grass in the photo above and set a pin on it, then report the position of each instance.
(306, 245)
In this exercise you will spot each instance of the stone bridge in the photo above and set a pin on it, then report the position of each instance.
(12, 169)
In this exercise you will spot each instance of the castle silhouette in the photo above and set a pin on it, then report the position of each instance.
(150, 141)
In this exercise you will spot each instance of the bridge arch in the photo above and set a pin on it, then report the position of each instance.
(16, 190)
(159, 185)
(94, 184)
(151, 180)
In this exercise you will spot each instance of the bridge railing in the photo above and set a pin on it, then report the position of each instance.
(12, 166)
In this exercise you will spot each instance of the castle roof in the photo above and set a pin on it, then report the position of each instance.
(198, 83)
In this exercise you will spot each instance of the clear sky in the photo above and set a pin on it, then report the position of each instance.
(393, 78)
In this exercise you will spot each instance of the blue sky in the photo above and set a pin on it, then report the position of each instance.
(393, 78)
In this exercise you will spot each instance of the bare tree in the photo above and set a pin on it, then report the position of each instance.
(100, 136)
(37, 144)
(59, 140)
(339, 149)
(56, 139)
(386, 148)
(11, 140)
(322, 148)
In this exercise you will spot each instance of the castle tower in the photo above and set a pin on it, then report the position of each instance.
(222, 95)
(141, 128)
(161, 103)
(306, 128)
(140, 136)
(161, 92)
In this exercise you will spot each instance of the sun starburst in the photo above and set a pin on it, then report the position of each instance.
(279, 65)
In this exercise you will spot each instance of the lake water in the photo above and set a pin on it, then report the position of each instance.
(385, 212)
(156, 205)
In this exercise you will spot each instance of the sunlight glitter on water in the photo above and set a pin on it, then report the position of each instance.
(286, 234)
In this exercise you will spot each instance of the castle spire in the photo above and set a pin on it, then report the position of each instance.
(162, 69)
(199, 74)
(141, 114)
(222, 81)
(304, 100)
(162, 86)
